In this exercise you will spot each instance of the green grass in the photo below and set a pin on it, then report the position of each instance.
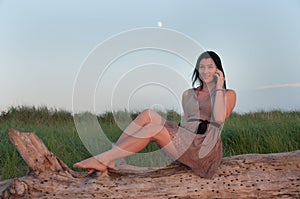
(261, 132)
(258, 132)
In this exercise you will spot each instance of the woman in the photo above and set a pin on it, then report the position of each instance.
(197, 141)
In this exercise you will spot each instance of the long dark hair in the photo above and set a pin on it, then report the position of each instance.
(206, 55)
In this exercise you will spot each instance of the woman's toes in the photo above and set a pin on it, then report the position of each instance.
(83, 164)
(76, 165)
(90, 171)
(92, 164)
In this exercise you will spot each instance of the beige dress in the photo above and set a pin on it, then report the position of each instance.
(202, 153)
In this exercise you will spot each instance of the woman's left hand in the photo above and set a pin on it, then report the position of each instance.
(220, 79)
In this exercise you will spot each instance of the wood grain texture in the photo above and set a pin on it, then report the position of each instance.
(242, 176)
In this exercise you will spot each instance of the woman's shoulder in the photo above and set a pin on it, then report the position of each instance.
(189, 91)
(230, 92)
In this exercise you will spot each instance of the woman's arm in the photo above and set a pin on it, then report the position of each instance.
(224, 103)
(184, 99)
(230, 101)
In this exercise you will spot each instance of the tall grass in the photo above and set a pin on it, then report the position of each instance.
(261, 132)
(258, 132)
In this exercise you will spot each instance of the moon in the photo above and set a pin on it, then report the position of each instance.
(159, 24)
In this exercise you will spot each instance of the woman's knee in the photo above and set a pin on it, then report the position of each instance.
(148, 112)
(151, 116)
(143, 118)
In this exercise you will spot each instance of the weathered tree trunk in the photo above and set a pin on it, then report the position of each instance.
(243, 176)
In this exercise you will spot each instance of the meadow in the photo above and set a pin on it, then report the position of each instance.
(255, 132)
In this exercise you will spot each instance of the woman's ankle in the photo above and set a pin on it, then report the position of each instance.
(102, 160)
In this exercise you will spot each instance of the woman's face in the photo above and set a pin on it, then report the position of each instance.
(207, 70)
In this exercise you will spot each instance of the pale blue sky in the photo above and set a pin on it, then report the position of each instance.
(44, 43)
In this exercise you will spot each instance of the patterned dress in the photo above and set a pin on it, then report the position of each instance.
(201, 152)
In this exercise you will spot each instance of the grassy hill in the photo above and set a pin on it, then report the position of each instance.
(258, 132)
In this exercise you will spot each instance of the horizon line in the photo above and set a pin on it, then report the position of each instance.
(293, 85)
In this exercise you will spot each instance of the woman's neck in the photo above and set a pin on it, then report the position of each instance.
(208, 87)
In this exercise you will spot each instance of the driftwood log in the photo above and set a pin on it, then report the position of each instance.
(242, 176)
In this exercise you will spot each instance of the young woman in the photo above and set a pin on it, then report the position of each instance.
(195, 142)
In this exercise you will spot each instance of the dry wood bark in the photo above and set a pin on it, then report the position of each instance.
(242, 176)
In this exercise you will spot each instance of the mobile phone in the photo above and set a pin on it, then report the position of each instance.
(216, 76)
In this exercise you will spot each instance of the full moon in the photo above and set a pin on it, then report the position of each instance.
(159, 24)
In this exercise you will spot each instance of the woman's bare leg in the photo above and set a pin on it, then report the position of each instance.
(146, 117)
(130, 145)
(138, 141)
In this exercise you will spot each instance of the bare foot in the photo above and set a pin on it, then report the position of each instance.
(91, 164)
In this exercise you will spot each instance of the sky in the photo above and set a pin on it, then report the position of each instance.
(46, 47)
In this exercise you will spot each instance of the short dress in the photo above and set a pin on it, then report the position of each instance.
(201, 152)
